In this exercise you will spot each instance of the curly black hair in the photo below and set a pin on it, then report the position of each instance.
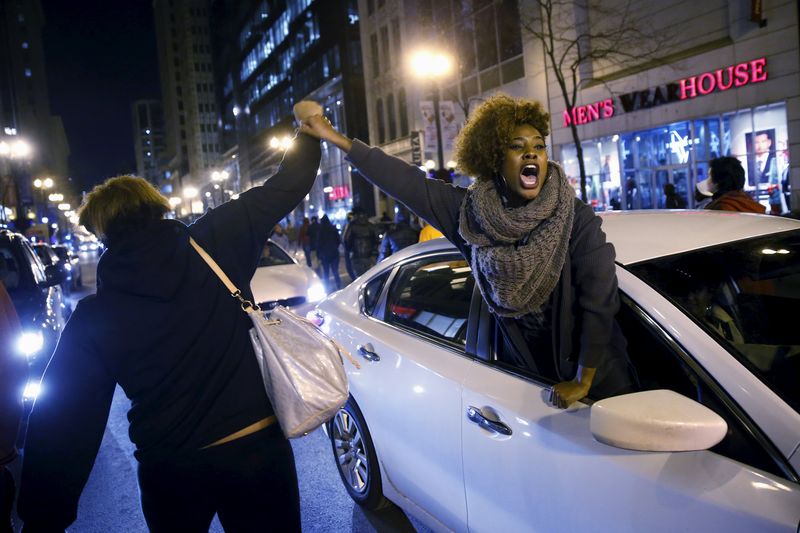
(481, 143)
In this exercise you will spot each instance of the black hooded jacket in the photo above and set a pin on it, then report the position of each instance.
(164, 328)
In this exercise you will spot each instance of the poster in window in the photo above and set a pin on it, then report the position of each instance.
(762, 166)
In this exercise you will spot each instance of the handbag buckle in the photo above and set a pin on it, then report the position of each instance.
(246, 304)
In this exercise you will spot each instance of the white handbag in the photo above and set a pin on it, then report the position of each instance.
(302, 368)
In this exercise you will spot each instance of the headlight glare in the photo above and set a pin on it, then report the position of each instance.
(30, 342)
(316, 292)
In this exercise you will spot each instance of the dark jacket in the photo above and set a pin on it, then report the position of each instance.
(360, 238)
(13, 370)
(585, 300)
(327, 241)
(398, 237)
(164, 328)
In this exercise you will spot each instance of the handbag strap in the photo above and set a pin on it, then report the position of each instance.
(247, 305)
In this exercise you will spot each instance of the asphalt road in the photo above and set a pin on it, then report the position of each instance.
(110, 501)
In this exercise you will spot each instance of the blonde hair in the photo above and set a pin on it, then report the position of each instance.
(120, 205)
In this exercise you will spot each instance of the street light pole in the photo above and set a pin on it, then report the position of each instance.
(433, 66)
(440, 151)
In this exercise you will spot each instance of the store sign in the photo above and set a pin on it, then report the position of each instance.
(339, 193)
(719, 80)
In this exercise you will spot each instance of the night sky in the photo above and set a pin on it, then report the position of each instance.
(100, 56)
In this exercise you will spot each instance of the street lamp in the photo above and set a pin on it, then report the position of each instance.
(41, 185)
(433, 66)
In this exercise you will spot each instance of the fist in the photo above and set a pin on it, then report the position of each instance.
(305, 109)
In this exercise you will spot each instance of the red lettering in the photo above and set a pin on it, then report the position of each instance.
(582, 115)
(720, 84)
(608, 108)
(593, 111)
(567, 118)
(688, 87)
(758, 66)
(708, 86)
(741, 74)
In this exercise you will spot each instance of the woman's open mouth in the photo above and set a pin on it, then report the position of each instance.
(529, 177)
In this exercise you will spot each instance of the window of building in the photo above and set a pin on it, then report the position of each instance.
(391, 116)
(402, 110)
(381, 123)
(370, 7)
(373, 45)
(396, 39)
(28, 73)
(385, 52)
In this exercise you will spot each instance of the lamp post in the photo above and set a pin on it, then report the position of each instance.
(41, 186)
(433, 66)
(219, 178)
(10, 150)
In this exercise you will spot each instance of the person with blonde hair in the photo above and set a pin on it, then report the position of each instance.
(537, 252)
(164, 328)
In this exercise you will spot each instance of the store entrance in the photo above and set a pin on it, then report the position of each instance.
(678, 176)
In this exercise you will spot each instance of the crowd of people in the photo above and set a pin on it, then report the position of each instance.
(206, 437)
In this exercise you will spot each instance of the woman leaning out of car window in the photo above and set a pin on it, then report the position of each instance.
(538, 253)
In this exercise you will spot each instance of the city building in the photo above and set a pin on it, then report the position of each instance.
(32, 141)
(727, 83)
(148, 138)
(270, 54)
(192, 148)
(483, 42)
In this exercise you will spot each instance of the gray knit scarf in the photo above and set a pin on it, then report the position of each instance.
(517, 276)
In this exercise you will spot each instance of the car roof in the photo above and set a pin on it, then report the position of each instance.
(643, 235)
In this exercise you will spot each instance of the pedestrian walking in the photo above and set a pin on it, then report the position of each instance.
(13, 371)
(672, 200)
(313, 239)
(538, 254)
(348, 263)
(361, 239)
(279, 237)
(400, 235)
(304, 238)
(328, 253)
(164, 328)
(725, 184)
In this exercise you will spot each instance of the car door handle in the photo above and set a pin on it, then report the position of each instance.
(475, 415)
(368, 352)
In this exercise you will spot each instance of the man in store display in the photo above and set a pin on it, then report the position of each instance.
(765, 168)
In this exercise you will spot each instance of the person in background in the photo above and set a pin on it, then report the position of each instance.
(304, 239)
(428, 232)
(538, 254)
(13, 372)
(400, 235)
(291, 235)
(673, 200)
(164, 328)
(313, 239)
(279, 237)
(348, 262)
(328, 253)
(725, 185)
(361, 241)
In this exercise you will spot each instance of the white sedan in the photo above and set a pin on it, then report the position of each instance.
(280, 279)
(447, 417)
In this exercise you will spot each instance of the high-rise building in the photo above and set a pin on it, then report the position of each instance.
(192, 147)
(271, 54)
(148, 138)
(25, 108)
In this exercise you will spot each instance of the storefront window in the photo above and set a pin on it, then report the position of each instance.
(648, 162)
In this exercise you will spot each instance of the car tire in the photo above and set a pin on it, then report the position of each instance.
(355, 457)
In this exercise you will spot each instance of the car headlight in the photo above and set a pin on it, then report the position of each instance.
(32, 390)
(30, 342)
(316, 292)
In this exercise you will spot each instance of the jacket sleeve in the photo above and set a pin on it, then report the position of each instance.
(65, 430)
(235, 232)
(434, 200)
(595, 284)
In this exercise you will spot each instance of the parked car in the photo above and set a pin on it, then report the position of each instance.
(72, 263)
(447, 417)
(38, 299)
(281, 280)
(49, 259)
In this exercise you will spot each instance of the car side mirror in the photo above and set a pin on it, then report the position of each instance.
(656, 421)
(54, 275)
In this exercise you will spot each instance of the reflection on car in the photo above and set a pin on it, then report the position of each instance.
(281, 280)
(72, 264)
(51, 260)
(447, 417)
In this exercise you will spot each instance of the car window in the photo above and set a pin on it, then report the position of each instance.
(372, 292)
(272, 255)
(659, 365)
(34, 263)
(9, 267)
(432, 296)
(745, 294)
(45, 255)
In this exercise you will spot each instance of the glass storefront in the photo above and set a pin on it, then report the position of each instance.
(630, 170)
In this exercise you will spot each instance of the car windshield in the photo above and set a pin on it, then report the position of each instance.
(44, 255)
(273, 255)
(745, 294)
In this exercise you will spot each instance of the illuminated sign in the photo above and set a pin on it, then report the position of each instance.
(719, 80)
(339, 193)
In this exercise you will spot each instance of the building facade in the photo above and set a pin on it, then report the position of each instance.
(25, 111)
(488, 52)
(148, 137)
(192, 147)
(727, 84)
(271, 54)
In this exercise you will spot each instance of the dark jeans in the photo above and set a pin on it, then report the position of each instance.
(330, 265)
(307, 253)
(250, 483)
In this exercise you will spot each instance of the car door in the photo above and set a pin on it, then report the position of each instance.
(409, 387)
(536, 468)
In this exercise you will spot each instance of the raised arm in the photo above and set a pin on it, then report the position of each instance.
(433, 200)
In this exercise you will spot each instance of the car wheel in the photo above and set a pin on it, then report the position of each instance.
(355, 457)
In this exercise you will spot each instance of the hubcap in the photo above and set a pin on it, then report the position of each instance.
(350, 451)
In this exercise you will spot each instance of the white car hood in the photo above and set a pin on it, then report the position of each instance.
(282, 282)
